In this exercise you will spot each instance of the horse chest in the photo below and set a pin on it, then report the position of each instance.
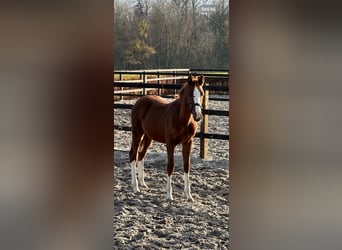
(191, 129)
(186, 133)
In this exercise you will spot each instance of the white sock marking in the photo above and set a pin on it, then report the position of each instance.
(169, 188)
(187, 186)
(140, 166)
(134, 177)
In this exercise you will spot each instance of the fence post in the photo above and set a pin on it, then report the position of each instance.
(174, 82)
(158, 75)
(121, 88)
(144, 81)
(204, 126)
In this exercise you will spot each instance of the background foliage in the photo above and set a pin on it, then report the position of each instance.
(171, 34)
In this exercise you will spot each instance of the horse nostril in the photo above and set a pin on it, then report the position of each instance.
(198, 118)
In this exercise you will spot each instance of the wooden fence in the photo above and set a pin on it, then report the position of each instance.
(142, 86)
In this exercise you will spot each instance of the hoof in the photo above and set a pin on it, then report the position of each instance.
(143, 185)
(136, 190)
(169, 197)
(189, 197)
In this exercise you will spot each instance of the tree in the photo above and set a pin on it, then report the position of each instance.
(171, 34)
(219, 26)
(138, 50)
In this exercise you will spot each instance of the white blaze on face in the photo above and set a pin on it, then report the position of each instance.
(197, 99)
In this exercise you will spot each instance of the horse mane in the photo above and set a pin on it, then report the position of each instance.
(181, 92)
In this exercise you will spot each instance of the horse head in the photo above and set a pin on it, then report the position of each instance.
(195, 96)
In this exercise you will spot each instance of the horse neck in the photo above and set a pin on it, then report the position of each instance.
(184, 111)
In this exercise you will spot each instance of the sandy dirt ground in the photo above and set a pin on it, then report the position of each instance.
(146, 220)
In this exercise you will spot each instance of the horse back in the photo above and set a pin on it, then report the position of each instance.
(148, 104)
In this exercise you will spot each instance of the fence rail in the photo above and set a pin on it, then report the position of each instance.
(220, 75)
(141, 86)
(205, 111)
(198, 135)
(129, 91)
(132, 84)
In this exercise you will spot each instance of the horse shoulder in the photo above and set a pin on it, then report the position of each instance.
(192, 128)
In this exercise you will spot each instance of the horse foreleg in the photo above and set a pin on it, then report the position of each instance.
(186, 148)
(170, 166)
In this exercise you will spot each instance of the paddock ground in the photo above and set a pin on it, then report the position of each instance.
(146, 220)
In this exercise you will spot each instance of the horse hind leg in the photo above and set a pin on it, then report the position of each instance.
(144, 144)
(170, 167)
(136, 138)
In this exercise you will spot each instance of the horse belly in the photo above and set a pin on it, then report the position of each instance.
(149, 112)
(154, 131)
(156, 137)
(154, 127)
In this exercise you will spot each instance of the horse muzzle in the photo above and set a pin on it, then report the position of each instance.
(198, 116)
(197, 119)
(197, 112)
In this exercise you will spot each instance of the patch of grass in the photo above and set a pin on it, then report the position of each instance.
(128, 77)
(214, 72)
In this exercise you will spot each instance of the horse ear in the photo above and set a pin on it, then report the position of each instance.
(201, 80)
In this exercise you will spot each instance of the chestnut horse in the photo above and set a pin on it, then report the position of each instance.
(153, 118)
